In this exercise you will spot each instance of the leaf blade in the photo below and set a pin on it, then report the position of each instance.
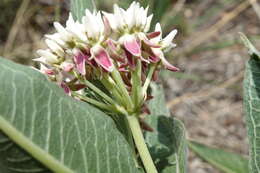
(252, 104)
(78, 7)
(74, 133)
(167, 143)
(223, 160)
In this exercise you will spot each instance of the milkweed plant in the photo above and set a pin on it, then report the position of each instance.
(116, 49)
(111, 61)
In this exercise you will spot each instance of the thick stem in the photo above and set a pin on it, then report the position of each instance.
(140, 144)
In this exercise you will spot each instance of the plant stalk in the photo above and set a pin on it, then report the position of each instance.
(140, 144)
(137, 94)
(119, 81)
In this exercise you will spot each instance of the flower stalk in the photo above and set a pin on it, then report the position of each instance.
(140, 144)
(137, 82)
(118, 79)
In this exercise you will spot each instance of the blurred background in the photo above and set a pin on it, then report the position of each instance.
(206, 95)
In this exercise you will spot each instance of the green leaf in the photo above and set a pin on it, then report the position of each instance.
(252, 106)
(44, 130)
(167, 143)
(78, 7)
(223, 160)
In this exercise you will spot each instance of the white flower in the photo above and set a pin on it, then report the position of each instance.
(63, 33)
(134, 19)
(166, 43)
(54, 47)
(76, 28)
(47, 57)
(93, 25)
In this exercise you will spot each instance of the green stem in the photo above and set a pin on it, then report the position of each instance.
(117, 77)
(140, 144)
(112, 87)
(137, 94)
(93, 101)
(98, 91)
(130, 140)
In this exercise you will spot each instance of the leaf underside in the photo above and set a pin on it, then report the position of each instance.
(223, 160)
(63, 134)
(167, 143)
(252, 105)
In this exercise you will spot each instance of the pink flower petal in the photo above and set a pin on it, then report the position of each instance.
(154, 59)
(153, 34)
(67, 67)
(132, 45)
(80, 60)
(49, 71)
(102, 58)
(168, 65)
(150, 44)
(65, 88)
(144, 60)
(113, 51)
(157, 52)
(130, 59)
(111, 44)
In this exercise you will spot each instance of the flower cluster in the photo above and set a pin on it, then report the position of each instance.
(115, 49)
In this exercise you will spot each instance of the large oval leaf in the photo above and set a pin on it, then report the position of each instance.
(167, 143)
(252, 105)
(226, 161)
(65, 135)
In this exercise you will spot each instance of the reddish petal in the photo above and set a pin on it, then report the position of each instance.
(155, 75)
(67, 67)
(102, 58)
(77, 87)
(111, 44)
(130, 59)
(144, 60)
(154, 59)
(168, 65)
(159, 53)
(65, 88)
(145, 109)
(80, 60)
(49, 71)
(113, 51)
(150, 44)
(153, 34)
(132, 45)
(145, 126)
